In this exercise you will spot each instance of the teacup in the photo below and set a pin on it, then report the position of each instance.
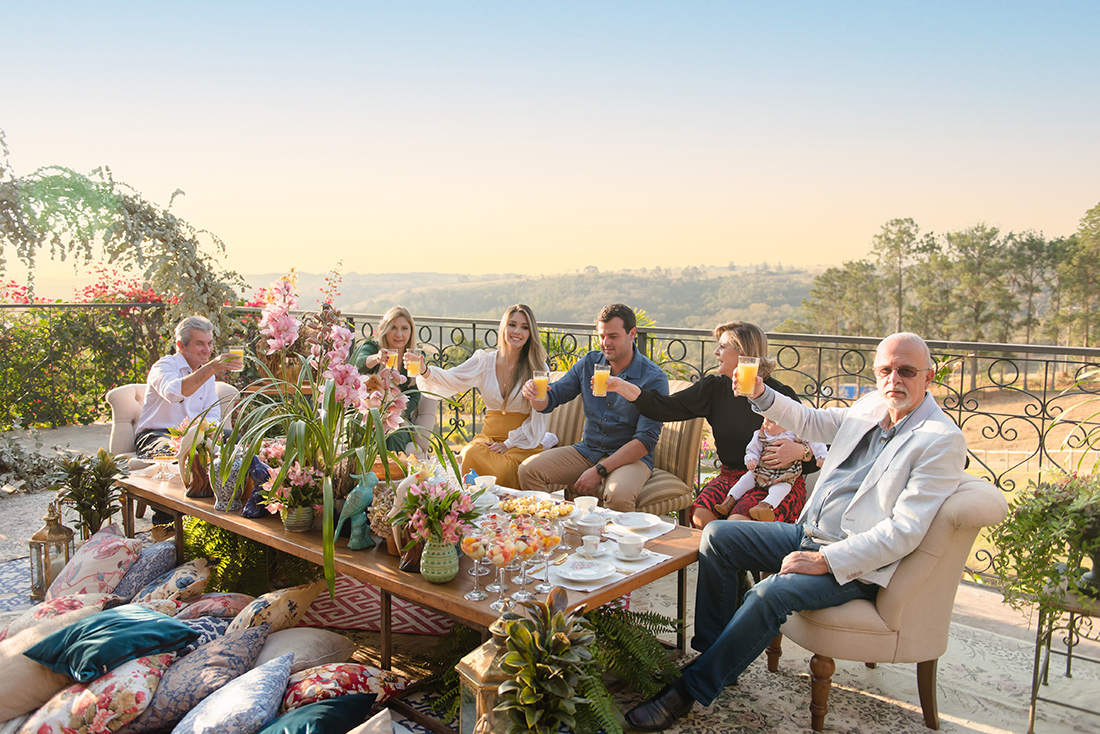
(487, 482)
(631, 545)
(585, 503)
(586, 525)
(591, 544)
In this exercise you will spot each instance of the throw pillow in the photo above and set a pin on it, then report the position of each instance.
(310, 647)
(105, 704)
(220, 604)
(196, 676)
(93, 646)
(338, 679)
(167, 607)
(24, 684)
(244, 706)
(281, 609)
(98, 566)
(57, 607)
(209, 629)
(334, 716)
(155, 560)
(185, 583)
(380, 723)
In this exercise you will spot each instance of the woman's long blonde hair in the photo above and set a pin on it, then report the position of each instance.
(385, 326)
(751, 341)
(531, 357)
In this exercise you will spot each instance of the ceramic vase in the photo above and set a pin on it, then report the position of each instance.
(297, 519)
(198, 481)
(439, 561)
(224, 501)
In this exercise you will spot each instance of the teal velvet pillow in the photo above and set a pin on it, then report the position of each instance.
(331, 716)
(100, 643)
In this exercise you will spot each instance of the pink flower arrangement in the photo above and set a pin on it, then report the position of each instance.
(277, 323)
(301, 488)
(433, 510)
(272, 451)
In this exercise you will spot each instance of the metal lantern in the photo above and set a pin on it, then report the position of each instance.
(479, 675)
(51, 549)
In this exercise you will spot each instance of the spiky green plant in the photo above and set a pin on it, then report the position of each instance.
(87, 484)
(547, 657)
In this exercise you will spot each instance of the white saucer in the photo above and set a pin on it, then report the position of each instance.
(646, 553)
(601, 552)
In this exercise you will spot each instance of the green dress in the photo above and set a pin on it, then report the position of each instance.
(397, 440)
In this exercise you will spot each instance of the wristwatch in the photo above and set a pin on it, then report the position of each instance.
(807, 453)
(601, 470)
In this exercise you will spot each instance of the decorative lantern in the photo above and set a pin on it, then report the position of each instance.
(479, 675)
(51, 549)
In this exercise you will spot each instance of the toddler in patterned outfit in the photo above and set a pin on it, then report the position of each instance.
(777, 480)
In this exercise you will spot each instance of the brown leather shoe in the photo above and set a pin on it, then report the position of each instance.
(663, 710)
(763, 512)
(163, 532)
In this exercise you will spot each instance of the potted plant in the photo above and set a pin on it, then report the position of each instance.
(296, 498)
(1050, 529)
(194, 440)
(88, 485)
(547, 658)
(437, 513)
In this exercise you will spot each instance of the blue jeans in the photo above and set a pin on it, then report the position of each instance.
(730, 635)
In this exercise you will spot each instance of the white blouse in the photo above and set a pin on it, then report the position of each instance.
(480, 371)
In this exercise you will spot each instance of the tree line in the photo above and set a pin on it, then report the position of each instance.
(976, 284)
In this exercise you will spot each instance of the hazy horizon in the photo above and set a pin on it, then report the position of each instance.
(489, 137)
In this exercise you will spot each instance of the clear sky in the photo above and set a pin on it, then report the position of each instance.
(547, 136)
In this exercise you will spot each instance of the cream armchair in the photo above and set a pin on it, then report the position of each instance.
(910, 619)
(126, 401)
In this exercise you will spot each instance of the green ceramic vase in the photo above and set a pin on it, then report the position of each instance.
(439, 561)
(298, 519)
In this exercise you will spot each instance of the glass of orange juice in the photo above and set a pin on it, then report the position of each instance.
(391, 359)
(599, 379)
(412, 362)
(747, 368)
(237, 350)
(542, 383)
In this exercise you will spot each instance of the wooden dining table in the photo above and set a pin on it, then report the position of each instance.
(376, 566)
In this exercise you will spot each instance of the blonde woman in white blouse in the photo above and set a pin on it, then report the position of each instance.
(511, 431)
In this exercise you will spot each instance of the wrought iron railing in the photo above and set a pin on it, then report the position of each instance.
(1019, 402)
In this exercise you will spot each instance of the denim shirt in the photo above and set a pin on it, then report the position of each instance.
(612, 421)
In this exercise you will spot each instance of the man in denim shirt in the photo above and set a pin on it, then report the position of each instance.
(616, 453)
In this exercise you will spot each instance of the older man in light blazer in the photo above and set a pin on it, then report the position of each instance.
(894, 458)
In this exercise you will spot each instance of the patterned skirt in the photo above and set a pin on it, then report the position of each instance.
(715, 491)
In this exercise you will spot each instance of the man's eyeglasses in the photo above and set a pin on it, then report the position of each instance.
(905, 371)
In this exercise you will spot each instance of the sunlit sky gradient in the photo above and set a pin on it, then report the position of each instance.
(544, 137)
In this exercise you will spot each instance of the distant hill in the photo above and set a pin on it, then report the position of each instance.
(692, 297)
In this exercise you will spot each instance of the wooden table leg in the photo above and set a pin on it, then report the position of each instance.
(385, 629)
(681, 609)
(128, 514)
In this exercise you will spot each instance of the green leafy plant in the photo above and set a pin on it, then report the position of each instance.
(244, 566)
(87, 484)
(1050, 530)
(548, 657)
(25, 469)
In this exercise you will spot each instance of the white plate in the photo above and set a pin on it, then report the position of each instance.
(582, 569)
(646, 553)
(599, 553)
(638, 520)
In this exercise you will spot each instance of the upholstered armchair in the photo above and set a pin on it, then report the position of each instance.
(675, 458)
(910, 619)
(126, 401)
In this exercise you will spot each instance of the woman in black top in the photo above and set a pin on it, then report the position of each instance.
(733, 423)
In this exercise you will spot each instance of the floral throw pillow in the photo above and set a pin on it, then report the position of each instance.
(197, 675)
(281, 609)
(168, 607)
(155, 560)
(98, 566)
(219, 604)
(338, 679)
(209, 629)
(105, 704)
(244, 706)
(57, 607)
(185, 583)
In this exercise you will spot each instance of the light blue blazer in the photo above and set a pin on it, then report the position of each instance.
(895, 505)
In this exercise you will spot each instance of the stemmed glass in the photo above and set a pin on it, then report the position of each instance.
(527, 544)
(501, 550)
(481, 568)
(549, 539)
(562, 519)
(473, 545)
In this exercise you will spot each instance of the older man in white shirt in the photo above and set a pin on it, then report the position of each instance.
(181, 387)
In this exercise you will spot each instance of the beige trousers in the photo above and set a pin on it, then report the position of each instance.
(563, 465)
